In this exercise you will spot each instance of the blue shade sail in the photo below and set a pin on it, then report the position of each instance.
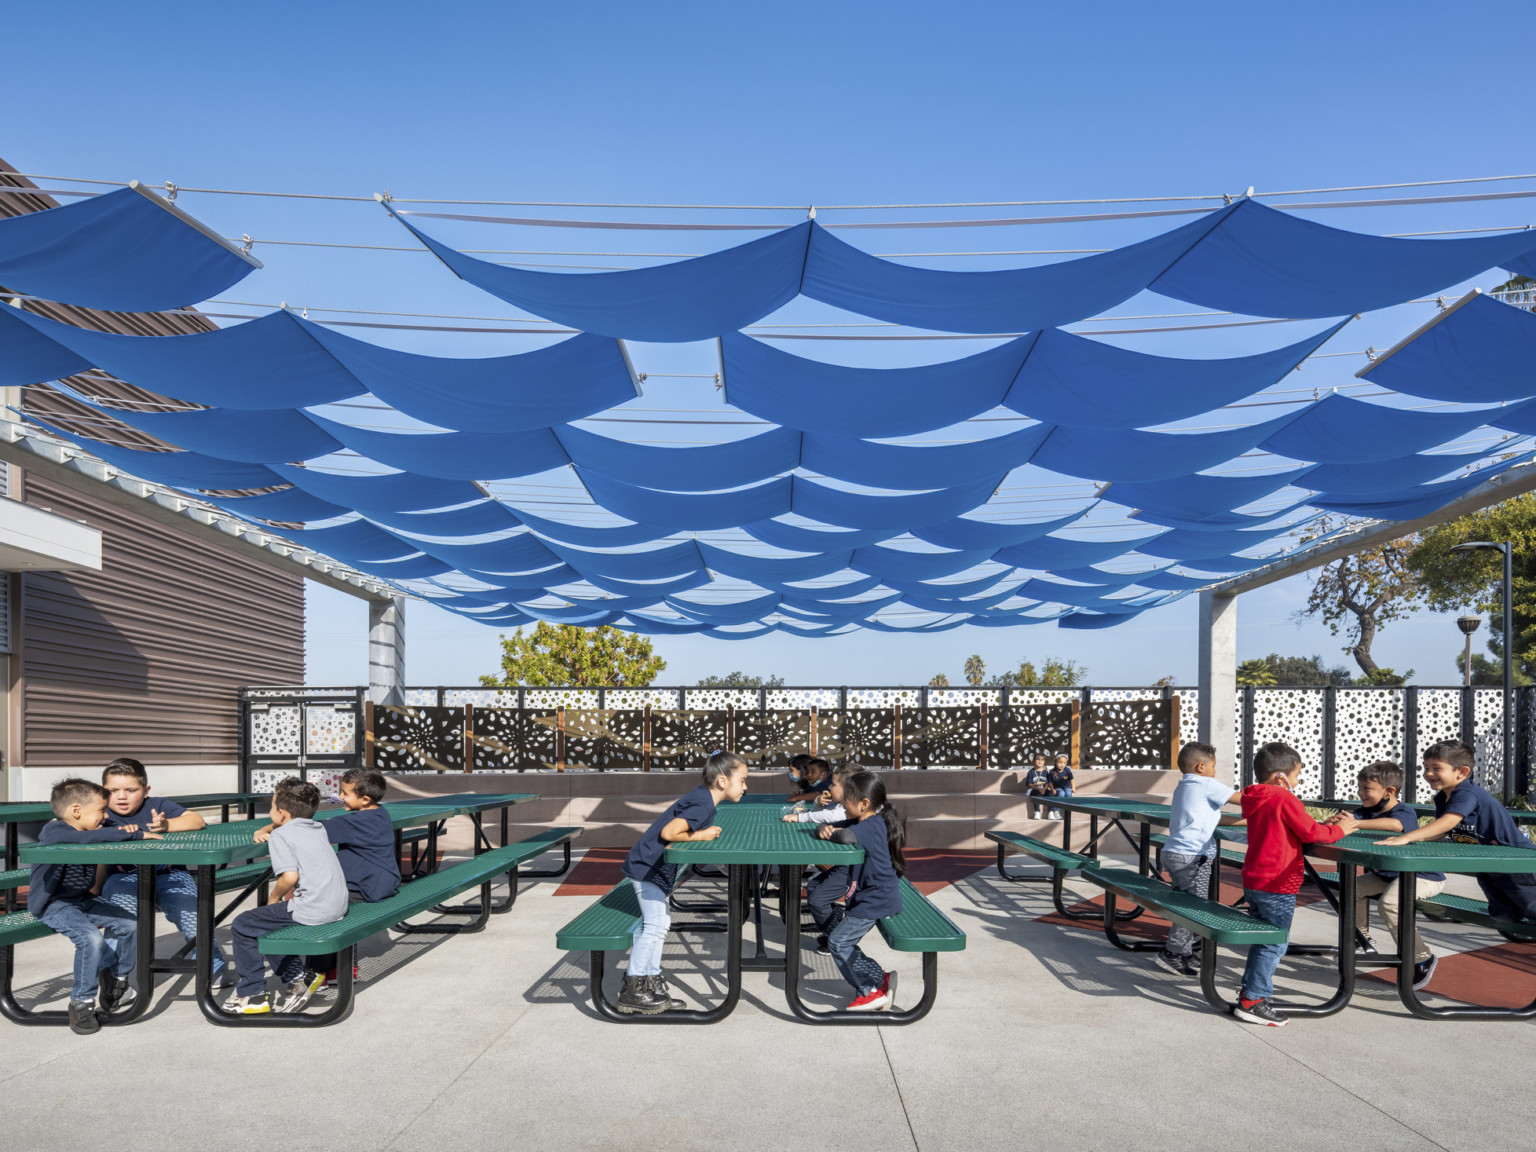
(961, 533)
(772, 569)
(829, 592)
(742, 612)
(953, 591)
(291, 505)
(585, 536)
(793, 538)
(1134, 454)
(1010, 300)
(521, 553)
(695, 299)
(397, 492)
(483, 519)
(525, 582)
(1262, 262)
(412, 568)
(451, 455)
(190, 470)
(274, 436)
(890, 563)
(895, 513)
(1192, 544)
(123, 251)
(1480, 351)
(656, 564)
(690, 511)
(947, 604)
(671, 587)
(1051, 552)
(822, 612)
(1174, 582)
(29, 357)
(1343, 430)
(1381, 477)
(355, 542)
(1072, 380)
(1202, 496)
(918, 466)
(1411, 503)
(706, 468)
(864, 402)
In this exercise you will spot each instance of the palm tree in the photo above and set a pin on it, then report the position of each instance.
(975, 671)
(1255, 674)
(939, 681)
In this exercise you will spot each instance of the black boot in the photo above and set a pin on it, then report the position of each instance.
(82, 1017)
(110, 989)
(663, 994)
(636, 997)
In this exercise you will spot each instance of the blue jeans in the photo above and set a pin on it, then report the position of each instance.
(1259, 975)
(822, 891)
(249, 927)
(102, 935)
(175, 895)
(1063, 791)
(650, 936)
(858, 969)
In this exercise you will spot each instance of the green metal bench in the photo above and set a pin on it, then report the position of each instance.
(14, 878)
(1467, 911)
(1229, 855)
(1214, 923)
(1061, 861)
(362, 920)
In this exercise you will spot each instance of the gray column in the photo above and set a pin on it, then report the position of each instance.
(1218, 679)
(386, 651)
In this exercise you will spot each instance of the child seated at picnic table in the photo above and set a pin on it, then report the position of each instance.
(1278, 825)
(828, 882)
(1037, 782)
(130, 806)
(818, 778)
(1467, 813)
(1060, 775)
(60, 896)
(645, 989)
(874, 889)
(1381, 810)
(308, 888)
(1189, 853)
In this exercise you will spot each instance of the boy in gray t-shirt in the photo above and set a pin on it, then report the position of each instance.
(308, 888)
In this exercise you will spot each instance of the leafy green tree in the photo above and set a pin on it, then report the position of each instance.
(1053, 673)
(1255, 674)
(1001, 680)
(939, 681)
(975, 671)
(1384, 678)
(566, 655)
(1306, 672)
(1361, 593)
(741, 680)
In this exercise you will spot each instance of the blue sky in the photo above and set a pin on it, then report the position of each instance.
(773, 104)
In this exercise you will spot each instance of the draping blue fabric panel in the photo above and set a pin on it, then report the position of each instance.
(271, 437)
(953, 590)
(690, 511)
(178, 469)
(1482, 351)
(896, 513)
(1411, 503)
(1072, 380)
(414, 568)
(124, 251)
(450, 455)
(1221, 520)
(1004, 301)
(29, 357)
(573, 616)
(526, 581)
(839, 613)
(793, 538)
(742, 612)
(584, 536)
(916, 467)
(522, 553)
(1173, 582)
(693, 299)
(961, 533)
(1009, 621)
(660, 588)
(1377, 477)
(565, 381)
(656, 564)
(1085, 620)
(1343, 430)
(641, 623)
(772, 569)
(1133, 454)
(483, 519)
(1090, 575)
(291, 505)
(936, 626)
(354, 542)
(943, 604)
(1052, 592)
(271, 362)
(1193, 544)
(1262, 262)
(889, 563)
(1516, 418)
(829, 592)
(396, 492)
(1195, 495)
(1051, 552)
(1225, 565)
(864, 402)
(706, 468)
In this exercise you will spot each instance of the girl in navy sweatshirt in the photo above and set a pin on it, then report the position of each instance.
(875, 889)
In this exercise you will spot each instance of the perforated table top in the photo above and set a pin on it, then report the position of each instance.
(1425, 855)
(757, 834)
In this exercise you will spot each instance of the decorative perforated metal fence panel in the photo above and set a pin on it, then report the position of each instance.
(515, 740)
(1018, 733)
(612, 739)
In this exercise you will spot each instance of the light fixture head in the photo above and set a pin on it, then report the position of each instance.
(1468, 624)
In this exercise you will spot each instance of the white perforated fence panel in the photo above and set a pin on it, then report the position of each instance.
(1293, 716)
(1488, 737)
(1368, 726)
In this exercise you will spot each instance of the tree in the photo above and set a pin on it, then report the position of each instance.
(1001, 680)
(741, 680)
(939, 681)
(1054, 673)
(1306, 672)
(975, 671)
(561, 655)
(1255, 674)
(1455, 580)
(1361, 593)
(1165, 682)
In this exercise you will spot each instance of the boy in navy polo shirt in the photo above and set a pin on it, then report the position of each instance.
(725, 781)
(1380, 784)
(130, 806)
(1469, 814)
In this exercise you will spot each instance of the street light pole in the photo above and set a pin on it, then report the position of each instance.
(1507, 601)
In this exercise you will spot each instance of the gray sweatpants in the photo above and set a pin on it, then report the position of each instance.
(1190, 874)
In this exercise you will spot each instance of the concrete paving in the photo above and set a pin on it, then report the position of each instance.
(1043, 1037)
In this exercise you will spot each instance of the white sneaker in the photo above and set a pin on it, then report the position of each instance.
(292, 997)
(248, 1005)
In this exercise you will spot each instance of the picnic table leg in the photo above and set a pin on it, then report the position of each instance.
(565, 863)
(1110, 916)
(224, 812)
(1407, 929)
(1346, 954)
(12, 862)
(1144, 848)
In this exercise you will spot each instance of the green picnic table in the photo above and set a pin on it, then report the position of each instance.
(1518, 815)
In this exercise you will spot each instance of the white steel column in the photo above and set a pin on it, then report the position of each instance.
(386, 650)
(1218, 678)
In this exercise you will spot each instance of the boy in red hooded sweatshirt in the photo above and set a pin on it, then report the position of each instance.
(1278, 825)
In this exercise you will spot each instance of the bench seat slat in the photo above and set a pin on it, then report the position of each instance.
(919, 926)
(18, 927)
(1468, 911)
(1040, 850)
(1229, 855)
(1203, 917)
(15, 878)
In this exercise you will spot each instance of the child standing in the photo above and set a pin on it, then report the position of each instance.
(1380, 785)
(725, 781)
(830, 882)
(131, 807)
(1470, 814)
(874, 890)
(308, 888)
(1189, 853)
(1278, 825)
(59, 895)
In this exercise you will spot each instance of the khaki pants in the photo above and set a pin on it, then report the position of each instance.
(1369, 884)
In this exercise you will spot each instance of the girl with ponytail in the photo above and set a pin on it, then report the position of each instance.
(874, 891)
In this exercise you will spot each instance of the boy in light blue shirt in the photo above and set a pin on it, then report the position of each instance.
(1190, 851)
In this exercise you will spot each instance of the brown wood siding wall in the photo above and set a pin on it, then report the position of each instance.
(144, 658)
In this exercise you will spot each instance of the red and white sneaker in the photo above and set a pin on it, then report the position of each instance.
(871, 1001)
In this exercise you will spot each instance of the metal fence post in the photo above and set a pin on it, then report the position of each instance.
(1330, 750)
(1522, 741)
(242, 747)
(469, 738)
(1410, 744)
(1469, 717)
(1246, 767)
